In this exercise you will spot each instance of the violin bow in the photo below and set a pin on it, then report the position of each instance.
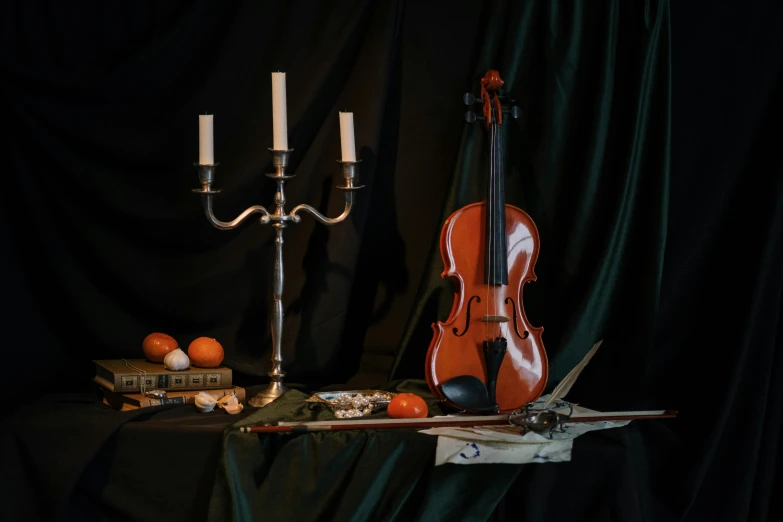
(442, 422)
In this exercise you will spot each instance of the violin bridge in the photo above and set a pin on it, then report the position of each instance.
(495, 319)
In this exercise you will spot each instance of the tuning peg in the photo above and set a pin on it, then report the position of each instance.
(515, 112)
(470, 116)
(469, 99)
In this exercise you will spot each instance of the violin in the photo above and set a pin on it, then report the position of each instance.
(486, 356)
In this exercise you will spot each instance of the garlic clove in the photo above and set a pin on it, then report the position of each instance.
(207, 397)
(233, 408)
(204, 403)
(176, 360)
(227, 400)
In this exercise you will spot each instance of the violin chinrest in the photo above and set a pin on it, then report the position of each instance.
(469, 393)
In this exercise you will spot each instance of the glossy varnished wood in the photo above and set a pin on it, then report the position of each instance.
(524, 370)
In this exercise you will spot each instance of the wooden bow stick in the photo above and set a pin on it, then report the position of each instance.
(441, 422)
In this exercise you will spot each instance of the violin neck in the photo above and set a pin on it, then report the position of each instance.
(496, 253)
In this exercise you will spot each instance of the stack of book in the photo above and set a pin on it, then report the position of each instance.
(122, 380)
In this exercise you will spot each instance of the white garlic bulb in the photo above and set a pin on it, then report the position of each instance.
(176, 360)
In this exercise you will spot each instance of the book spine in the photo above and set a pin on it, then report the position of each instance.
(129, 382)
(190, 398)
(146, 402)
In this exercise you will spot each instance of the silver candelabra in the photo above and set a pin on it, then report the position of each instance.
(279, 220)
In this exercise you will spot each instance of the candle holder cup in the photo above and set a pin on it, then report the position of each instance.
(279, 220)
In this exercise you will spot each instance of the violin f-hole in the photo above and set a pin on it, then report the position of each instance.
(516, 327)
(467, 317)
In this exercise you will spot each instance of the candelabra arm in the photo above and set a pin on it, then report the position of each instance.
(349, 169)
(206, 176)
(320, 217)
(206, 201)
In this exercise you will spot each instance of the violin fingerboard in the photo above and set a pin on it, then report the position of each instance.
(496, 250)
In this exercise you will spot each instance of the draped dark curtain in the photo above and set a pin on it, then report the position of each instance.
(590, 164)
(646, 154)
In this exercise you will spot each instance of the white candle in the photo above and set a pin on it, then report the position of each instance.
(346, 136)
(205, 140)
(279, 116)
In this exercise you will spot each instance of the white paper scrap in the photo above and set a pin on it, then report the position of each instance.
(506, 444)
(458, 451)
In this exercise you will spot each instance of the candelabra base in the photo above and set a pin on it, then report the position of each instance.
(274, 390)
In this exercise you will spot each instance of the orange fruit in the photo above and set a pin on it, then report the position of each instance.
(205, 352)
(156, 345)
(407, 406)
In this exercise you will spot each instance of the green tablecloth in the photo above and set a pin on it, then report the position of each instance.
(69, 457)
(347, 475)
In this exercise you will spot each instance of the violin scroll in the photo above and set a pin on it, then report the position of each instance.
(490, 84)
(492, 107)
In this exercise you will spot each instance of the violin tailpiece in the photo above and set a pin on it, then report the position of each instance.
(494, 351)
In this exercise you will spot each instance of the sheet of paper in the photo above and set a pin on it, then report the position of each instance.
(460, 451)
(506, 444)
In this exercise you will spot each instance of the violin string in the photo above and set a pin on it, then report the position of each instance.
(501, 216)
(502, 180)
(499, 207)
(496, 172)
(489, 240)
(492, 180)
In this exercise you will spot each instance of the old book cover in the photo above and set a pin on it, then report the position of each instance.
(124, 376)
(132, 401)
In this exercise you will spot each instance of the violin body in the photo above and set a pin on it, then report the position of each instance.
(523, 373)
(489, 249)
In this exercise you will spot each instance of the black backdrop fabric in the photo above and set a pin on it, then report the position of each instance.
(648, 148)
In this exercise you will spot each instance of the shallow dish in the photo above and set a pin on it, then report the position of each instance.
(352, 403)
